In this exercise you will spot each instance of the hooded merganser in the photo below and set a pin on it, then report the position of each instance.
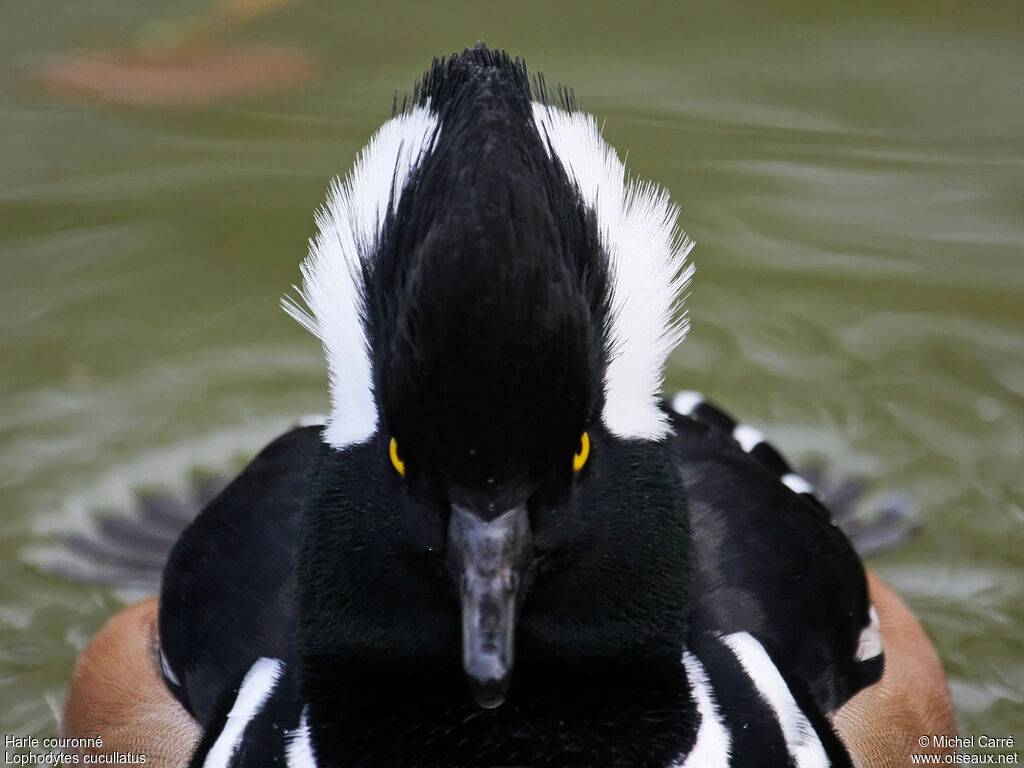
(502, 547)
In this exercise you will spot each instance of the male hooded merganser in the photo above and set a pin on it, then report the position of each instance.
(502, 547)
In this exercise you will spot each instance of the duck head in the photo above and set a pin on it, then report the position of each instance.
(495, 497)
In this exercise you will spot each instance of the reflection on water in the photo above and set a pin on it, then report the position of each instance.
(180, 62)
(853, 182)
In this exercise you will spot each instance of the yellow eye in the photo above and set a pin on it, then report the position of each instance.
(396, 462)
(580, 457)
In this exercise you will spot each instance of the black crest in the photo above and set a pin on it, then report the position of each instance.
(487, 298)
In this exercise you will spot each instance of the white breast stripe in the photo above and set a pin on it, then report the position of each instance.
(299, 752)
(747, 437)
(797, 484)
(713, 744)
(685, 403)
(257, 686)
(801, 740)
(870, 644)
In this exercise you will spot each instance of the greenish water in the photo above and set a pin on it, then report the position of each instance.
(853, 179)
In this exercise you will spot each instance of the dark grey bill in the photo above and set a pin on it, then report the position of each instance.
(489, 561)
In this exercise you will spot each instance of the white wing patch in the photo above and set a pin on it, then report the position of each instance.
(637, 224)
(349, 224)
(801, 740)
(797, 484)
(686, 402)
(747, 437)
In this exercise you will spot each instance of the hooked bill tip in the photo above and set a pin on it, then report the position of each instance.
(489, 700)
(490, 692)
(488, 679)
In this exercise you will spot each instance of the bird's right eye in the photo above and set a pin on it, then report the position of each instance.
(396, 460)
(581, 456)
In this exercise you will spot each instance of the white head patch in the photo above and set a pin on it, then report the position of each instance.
(637, 225)
(349, 224)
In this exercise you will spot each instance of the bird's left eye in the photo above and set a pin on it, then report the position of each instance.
(396, 462)
(580, 457)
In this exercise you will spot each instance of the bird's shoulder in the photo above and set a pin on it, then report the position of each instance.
(768, 557)
(227, 590)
